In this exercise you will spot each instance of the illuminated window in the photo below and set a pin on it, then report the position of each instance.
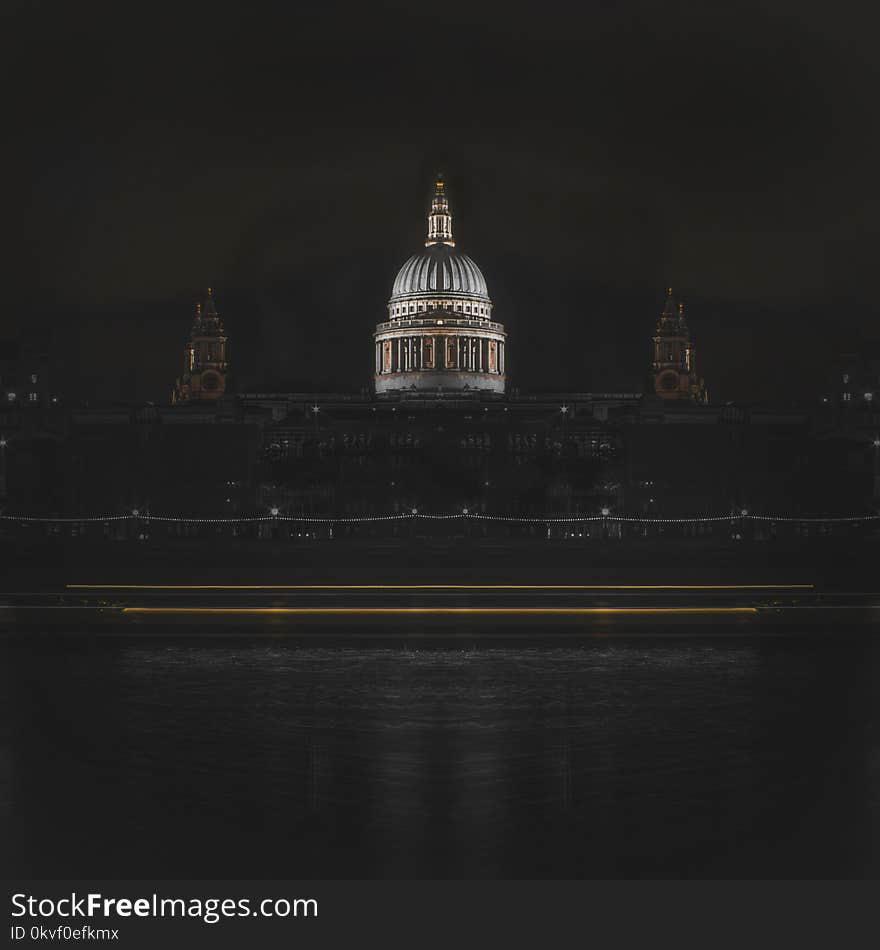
(33, 377)
(32, 397)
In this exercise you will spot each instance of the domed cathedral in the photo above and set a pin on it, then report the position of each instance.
(206, 357)
(439, 336)
(673, 371)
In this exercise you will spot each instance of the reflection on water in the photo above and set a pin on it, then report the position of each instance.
(752, 757)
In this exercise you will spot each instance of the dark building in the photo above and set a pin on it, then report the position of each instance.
(25, 373)
(519, 456)
(33, 426)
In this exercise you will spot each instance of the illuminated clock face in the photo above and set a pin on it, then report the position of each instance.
(210, 382)
(669, 382)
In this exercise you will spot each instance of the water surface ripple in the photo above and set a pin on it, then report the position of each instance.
(748, 757)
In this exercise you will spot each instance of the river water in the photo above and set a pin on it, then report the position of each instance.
(741, 756)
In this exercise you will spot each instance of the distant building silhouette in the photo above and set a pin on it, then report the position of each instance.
(25, 373)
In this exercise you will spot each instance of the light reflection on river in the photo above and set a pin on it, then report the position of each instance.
(632, 757)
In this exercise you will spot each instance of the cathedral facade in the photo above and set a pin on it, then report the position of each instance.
(441, 433)
(440, 335)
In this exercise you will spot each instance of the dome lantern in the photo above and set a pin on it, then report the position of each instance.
(440, 217)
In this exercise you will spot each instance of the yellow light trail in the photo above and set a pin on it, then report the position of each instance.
(390, 611)
(335, 587)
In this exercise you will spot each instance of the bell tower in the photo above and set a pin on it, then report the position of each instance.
(206, 357)
(673, 370)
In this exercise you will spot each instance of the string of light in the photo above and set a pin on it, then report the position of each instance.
(276, 516)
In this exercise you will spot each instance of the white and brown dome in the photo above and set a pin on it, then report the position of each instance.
(439, 334)
(439, 271)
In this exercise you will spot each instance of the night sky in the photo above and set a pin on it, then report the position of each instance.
(283, 153)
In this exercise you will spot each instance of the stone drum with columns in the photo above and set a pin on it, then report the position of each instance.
(439, 336)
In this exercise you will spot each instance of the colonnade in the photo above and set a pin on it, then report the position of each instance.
(476, 354)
